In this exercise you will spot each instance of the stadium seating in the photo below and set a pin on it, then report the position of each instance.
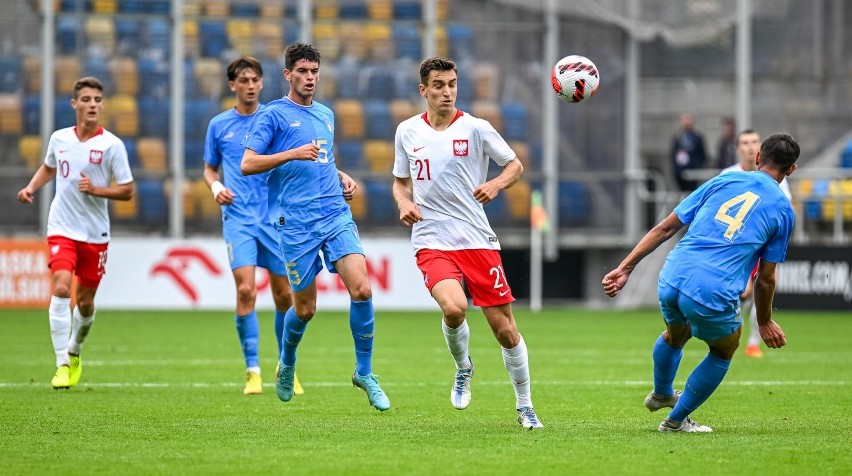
(132, 153)
(325, 9)
(497, 210)
(842, 189)
(407, 10)
(151, 202)
(213, 37)
(460, 39)
(381, 83)
(814, 193)
(574, 203)
(379, 156)
(401, 110)
(240, 35)
(63, 113)
(358, 204)
(29, 148)
(98, 66)
(128, 36)
(377, 117)
(132, 6)
(381, 208)
(380, 9)
(157, 35)
(489, 111)
(210, 209)
(349, 155)
(217, 8)
(11, 73)
(125, 209)
(407, 41)
(32, 72)
(846, 156)
(67, 70)
(349, 116)
(104, 6)
(193, 154)
(75, 6)
(32, 114)
(244, 10)
(352, 9)
(100, 34)
(11, 114)
(123, 116)
(518, 200)
(522, 150)
(327, 39)
(153, 77)
(210, 77)
(153, 117)
(270, 36)
(152, 155)
(125, 76)
(514, 117)
(67, 29)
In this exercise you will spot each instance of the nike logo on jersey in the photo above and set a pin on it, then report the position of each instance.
(62, 151)
(418, 148)
(504, 293)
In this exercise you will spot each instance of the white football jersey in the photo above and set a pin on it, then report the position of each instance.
(445, 168)
(785, 186)
(103, 158)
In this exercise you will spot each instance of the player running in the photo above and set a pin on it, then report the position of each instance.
(439, 186)
(85, 160)
(734, 220)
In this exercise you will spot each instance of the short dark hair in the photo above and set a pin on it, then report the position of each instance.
(780, 149)
(243, 63)
(435, 63)
(743, 132)
(87, 82)
(300, 51)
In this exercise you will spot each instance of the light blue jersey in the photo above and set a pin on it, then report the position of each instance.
(223, 147)
(250, 238)
(733, 219)
(300, 191)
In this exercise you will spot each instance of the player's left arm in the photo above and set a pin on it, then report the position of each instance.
(122, 191)
(508, 177)
(350, 186)
(617, 278)
(764, 291)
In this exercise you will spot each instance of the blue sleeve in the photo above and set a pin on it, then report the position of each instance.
(687, 209)
(261, 132)
(775, 250)
(212, 155)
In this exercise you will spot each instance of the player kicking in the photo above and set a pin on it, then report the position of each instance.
(748, 143)
(734, 220)
(85, 160)
(439, 186)
(293, 138)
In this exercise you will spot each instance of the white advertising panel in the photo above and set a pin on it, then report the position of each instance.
(195, 274)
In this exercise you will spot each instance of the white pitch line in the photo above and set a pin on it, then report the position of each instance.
(567, 383)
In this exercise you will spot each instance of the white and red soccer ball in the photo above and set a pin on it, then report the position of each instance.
(575, 78)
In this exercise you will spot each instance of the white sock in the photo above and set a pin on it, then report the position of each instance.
(519, 372)
(80, 326)
(753, 328)
(254, 370)
(457, 341)
(59, 314)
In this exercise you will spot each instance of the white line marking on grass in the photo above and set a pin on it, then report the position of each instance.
(308, 384)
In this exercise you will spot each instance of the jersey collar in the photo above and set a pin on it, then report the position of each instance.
(459, 113)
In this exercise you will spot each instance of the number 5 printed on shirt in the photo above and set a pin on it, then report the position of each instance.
(741, 206)
(322, 156)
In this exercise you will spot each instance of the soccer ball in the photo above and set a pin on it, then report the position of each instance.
(575, 78)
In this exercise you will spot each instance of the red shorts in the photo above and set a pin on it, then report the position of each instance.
(86, 260)
(482, 271)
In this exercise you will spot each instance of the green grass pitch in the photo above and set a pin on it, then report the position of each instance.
(162, 394)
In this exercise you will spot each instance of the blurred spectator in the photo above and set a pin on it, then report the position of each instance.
(727, 144)
(688, 153)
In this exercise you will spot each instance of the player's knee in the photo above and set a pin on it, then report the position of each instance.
(507, 336)
(454, 314)
(283, 300)
(61, 290)
(86, 308)
(361, 291)
(305, 311)
(246, 294)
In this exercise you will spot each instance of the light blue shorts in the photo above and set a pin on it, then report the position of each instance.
(253, 245)
(301, 246)
(707, 324)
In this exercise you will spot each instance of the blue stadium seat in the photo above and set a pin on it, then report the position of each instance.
(128, 36)
(244, 10)
(153, 77)
(197, 114)
(349, 155)
(514, 116)
(132, 6)
(32, 114)
(347, 78)
(407, 41)
(465, 89)
(380, 204)
(497, 210)
(352, 9)
(460, 40)
(153, 117)
(132, 155)
(63, 113)
(159, 7)
(273, 80)
(574, 203)
(158, 35)
(74, 6)
(67, 29)
(11, 73)
(407, 10)
(213, 36)
(377, 118)
(97, 66)
(152, 201)
(846, 156)
(381, 84)
(193, 154)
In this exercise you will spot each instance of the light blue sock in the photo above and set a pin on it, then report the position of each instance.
(279, 329)
(248, 331)
(666, 362)
(294, 328)
(700, 385)
(361, 323)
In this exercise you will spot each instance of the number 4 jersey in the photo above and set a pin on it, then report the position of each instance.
(445, 168)
(733, 219)
(103, 158)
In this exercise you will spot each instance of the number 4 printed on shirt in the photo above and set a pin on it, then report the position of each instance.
(735, 223)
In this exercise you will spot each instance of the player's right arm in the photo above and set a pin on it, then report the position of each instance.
(617, 278)
(254, 163)
(43, 175)
(409, 212)
(222, 194)
(764, 291)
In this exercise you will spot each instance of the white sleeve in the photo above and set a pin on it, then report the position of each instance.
(50, 155)
(785, 187)
(494, 145)
(400, 161)
(119, 165)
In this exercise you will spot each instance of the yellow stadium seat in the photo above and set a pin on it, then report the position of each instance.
(355, 42)
(442, 44)
(67, 71)
(104, 6)
(240, 35)
(123, 115)
(358, 204)
(210, 75)
(270, 36)
(217, 8)
(208, 207)
(100, 31)
(402, 109)
(271, 10)
(152, 154)
(380, 9)
(32, 70)
(518, 199)
(350, 119)
(191, 39)
(124, 210)
(379, 155)
(327, 39)
(488, 110)
(227, 103)
(11, 117)
(442, 8)
(325, 9)
(191, 8)
(124, 75)
(485, 82)
(842, 189)
(29, 147)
